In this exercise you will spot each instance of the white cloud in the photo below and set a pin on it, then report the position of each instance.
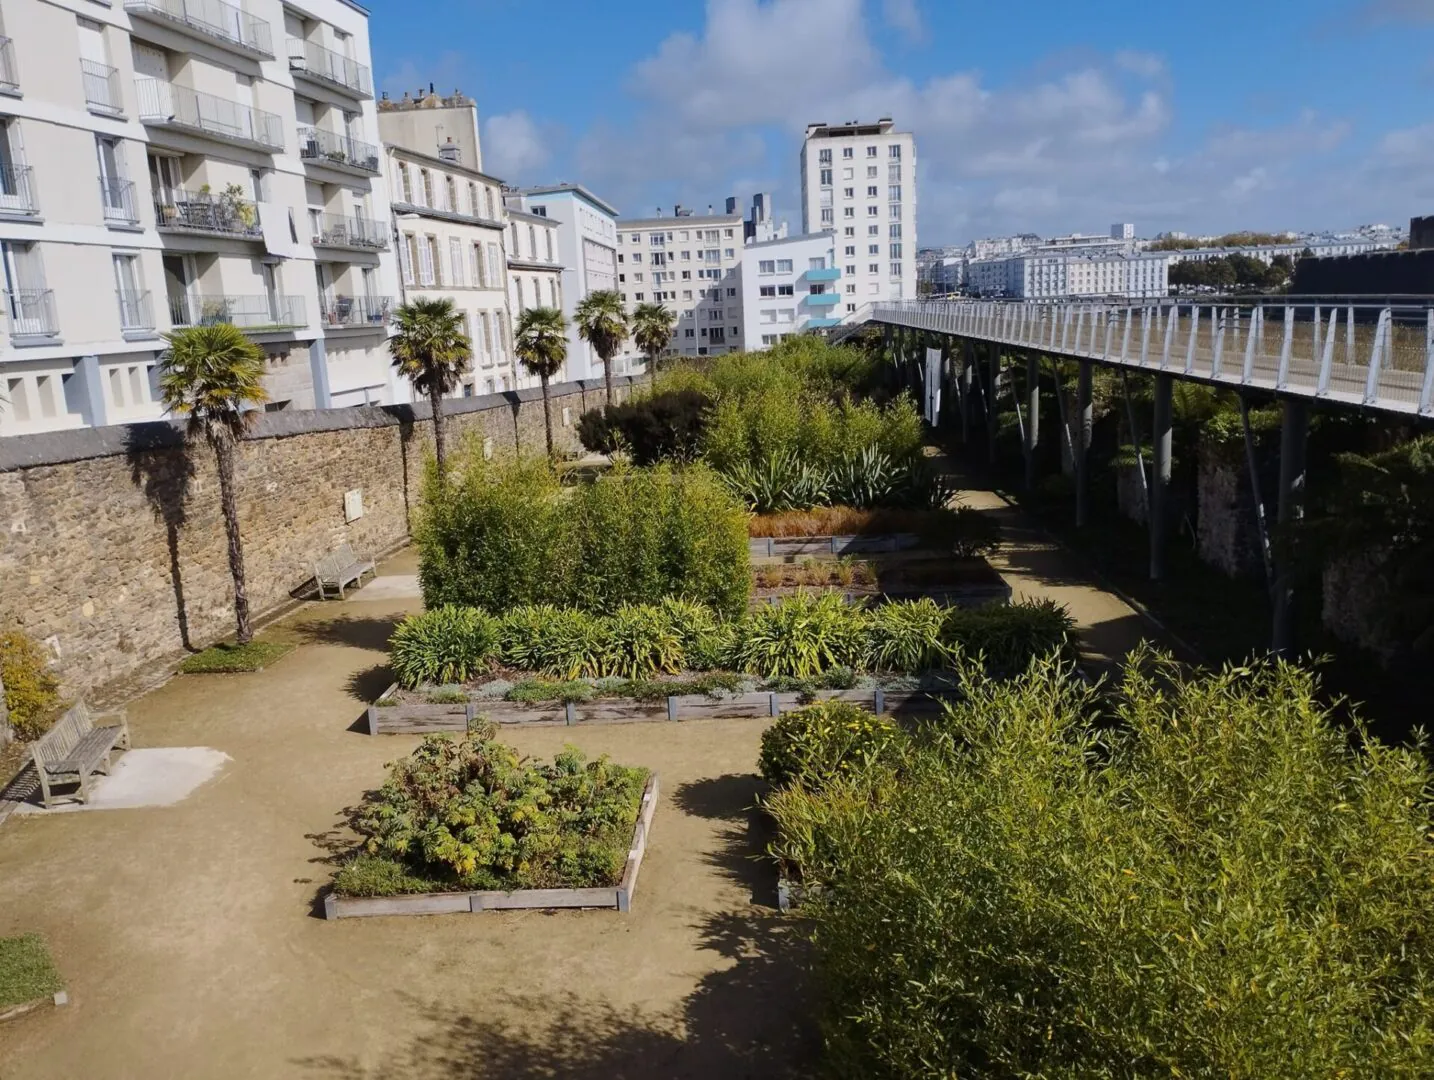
(905, 17)
(513, 146)
(1146, 65)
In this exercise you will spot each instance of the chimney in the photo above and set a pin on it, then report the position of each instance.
(709, 209)
(451, 152)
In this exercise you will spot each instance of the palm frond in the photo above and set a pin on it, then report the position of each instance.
(214, 375)
(430, 347)
(541, 341)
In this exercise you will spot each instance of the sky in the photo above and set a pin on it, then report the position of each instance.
(1045, 116)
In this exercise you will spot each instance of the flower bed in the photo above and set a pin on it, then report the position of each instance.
(964, 582)
(469, 825)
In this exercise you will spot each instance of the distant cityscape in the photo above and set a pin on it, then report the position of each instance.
(1121, 264)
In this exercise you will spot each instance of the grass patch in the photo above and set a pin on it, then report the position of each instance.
(26, 970)
(536, 691)
(228, 657)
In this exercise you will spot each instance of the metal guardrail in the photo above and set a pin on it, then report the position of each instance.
(205, 212)
(318, 145)
(17, 194)
(358, 311)
(1379, 356)
(9, 76)
(32, 313)
(101, 83)
(248, 312)
(118, 198)
(165, 103)
(311, 58)
(136, 312)
(211, 19)
(350, 231)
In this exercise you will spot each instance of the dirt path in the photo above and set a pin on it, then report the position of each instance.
(188, 938)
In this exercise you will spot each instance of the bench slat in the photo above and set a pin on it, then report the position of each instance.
(87, 753)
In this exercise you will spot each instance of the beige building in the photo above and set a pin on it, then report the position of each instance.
(165, 163)
(451, 225)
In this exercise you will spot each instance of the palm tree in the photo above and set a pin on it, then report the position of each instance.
(651, 331)
(434, 352)
(602, 323)
(215, 375)
(541, 342)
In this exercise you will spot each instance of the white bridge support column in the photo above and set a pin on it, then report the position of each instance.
(1160, 474)
(1085, 419)
(1294, 430)
(1033, 419)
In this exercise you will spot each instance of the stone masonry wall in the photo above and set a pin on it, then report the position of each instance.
(112, 542)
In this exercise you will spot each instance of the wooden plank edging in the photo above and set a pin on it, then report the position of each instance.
(617, 897)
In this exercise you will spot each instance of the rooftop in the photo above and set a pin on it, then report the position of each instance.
(570, 189)
(825, 234)
(823, 130)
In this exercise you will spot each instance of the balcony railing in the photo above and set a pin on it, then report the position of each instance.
(357, 311)
(341, 230)
(826, 299)
(118, 198)
(212, 19)
(164, 104)
(32, 313)
(276, 312)
(17, 195)
(136, 312)
(317, 62)
(224, 214)
(101, 87)
(9, 78)
(329, 147)
(829, 273)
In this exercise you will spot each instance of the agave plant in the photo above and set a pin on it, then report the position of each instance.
(864, 479)
(779, 481)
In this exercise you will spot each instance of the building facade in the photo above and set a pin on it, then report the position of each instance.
(859, 181)
(1051, 274)
(535, 277)
(451, 226)
(165, 164)
(587, 252)
(789, 286)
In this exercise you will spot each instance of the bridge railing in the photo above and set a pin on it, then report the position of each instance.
(1377, 355)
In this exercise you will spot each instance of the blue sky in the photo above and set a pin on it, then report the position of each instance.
(1029, 115)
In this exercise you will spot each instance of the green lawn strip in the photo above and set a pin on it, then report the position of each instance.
(228, 657)
(26, 971)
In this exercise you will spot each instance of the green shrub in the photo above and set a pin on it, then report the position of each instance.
(1217, 884)
(811, 745)
(660, 427)
(703, 637)
(560, 641)
(906, 636)
(779, 481)
(535, 691)
(446, 645)
(471, 813)
(32, 693)
(642, 641)
(1010, 636)
(801, 636)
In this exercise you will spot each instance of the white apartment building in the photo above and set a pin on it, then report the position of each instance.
(1321, 247)
(535, 276)
(789, 286)
(1047, 274)
(165, 163)
(451, 226)
(859, 180)
(692, 264)
(587, 253)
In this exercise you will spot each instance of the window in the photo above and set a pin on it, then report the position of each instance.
(637, 256)
(405, 182)
(689, 332)
(488, 196)
(874, 268)
(895, 252)
(682, 235)
(871, 192)
(637, 297)
(426, 194)
(871, 172)
(687, 294)
(718, 335)
(895, 151)
(849, 231)
(767, 315)
(657, 239)
(895, 210)
(127, 281)
(451, 189)
(455, 260)
(784, 266)
(873, 249)
(849, 250)
(532, 242)
(849, 211)
(896, 269)
(827, 216)
(848, 152)
(873, 211)
(473, 207)
(637, 277)
(518, 286)
(769, 339)
(687, 275)
(785, 290)
(495, 266)
(727, 234)
(893, 172)
(851, 291)
(873, 230)
(731, 292)
(893, 193)
(824, 157)
(851, 272)
(427, 250)
(768, 290)
(766, 266)
(728, 253)
(871, 151)
(895, 230)
(686, 256)
(408, 257)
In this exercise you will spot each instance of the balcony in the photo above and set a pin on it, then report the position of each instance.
(212, 21)
(822, 324)
(320, 147)
(261, 313)
(357, 312)
(225, 214)
(32, 316)
(178, 108)
(830, 273)
(821, 300)
(118, 198)
(17, 194)
(102, 93)
(314, 62)
(343, 231)
(9, 78)
(136, 313)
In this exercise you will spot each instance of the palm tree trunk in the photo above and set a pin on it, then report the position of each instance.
(547, 414)
(7, 733)
(436, 398)
(228, 500)
(607, 375)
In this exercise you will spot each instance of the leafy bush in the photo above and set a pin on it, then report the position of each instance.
(662, 427)
(32, 693)
(446, 645)
(801, 636)
(561, 641)
(907, 636)
(641, 640)
(814, 744)
(1218, 884)
(471, 813)
(779, 481)
(503, 535)
(1010, 636)
(533, 691)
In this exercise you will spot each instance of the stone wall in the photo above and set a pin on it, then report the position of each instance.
(112, 546)
(1229, 532)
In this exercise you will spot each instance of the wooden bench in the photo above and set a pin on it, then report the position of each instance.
(339, 569)
(75, 748)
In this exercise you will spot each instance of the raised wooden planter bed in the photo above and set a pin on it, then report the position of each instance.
(618, 896)
(769, 547)
(403, 719)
